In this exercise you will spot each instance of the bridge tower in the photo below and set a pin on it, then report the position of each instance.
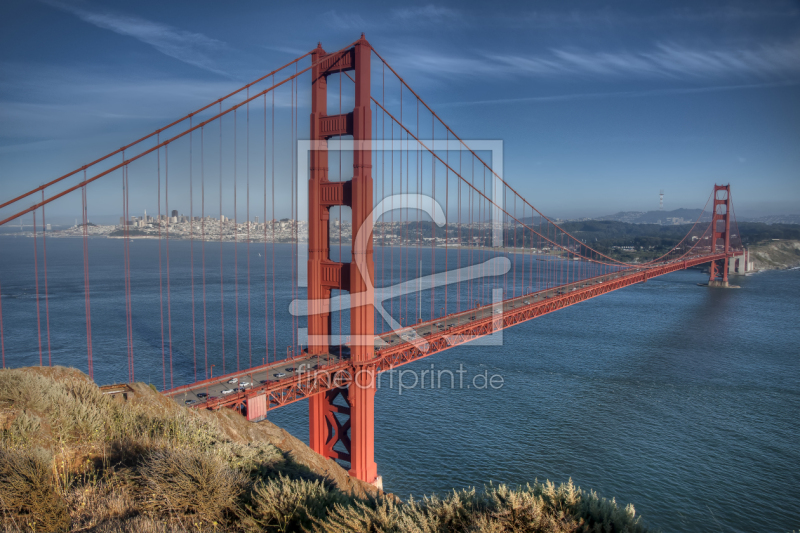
(720, 229)
(326, 430)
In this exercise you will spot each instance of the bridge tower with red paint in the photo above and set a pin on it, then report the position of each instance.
(720, 229)
(350, 422)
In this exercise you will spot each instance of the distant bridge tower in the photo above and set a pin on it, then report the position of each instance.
(352, 436)
(720, 229)
(661, 200)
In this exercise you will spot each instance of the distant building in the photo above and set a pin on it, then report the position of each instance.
(175, 213)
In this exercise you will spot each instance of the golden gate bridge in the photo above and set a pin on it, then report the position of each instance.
(411, 177)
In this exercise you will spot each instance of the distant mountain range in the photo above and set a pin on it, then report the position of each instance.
(689, 216)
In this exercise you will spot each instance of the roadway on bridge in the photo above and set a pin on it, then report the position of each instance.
(208, 391)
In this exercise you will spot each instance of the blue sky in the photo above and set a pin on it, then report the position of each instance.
(599, 105)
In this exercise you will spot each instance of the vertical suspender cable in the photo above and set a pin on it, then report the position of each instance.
(272, 224)
(46, 292)
(36, 274)
(490, 236)
(125, 265)
(247, 179)
(293, 215)
(470, 298)
(458, 248)
(169, 294)
(191, 249)
(295, 191)
(433, 210)
(531, 259)
(391, 220)
(539, 250)
(266, 297)
(514, 251)
(383, 169)
(203, 244)
(405, 220)
(235, 240)
(221, 280)
(125, 252)
(446, 213)
(160, 275)
(131, 373)
(418, 265)
(86, 278)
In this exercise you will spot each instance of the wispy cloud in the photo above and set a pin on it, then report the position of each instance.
(188, 47)
(619, 94)
(607, 17)
(427, 14)
(399, 17)
(663, 61)
(48, 101)
(287, 50)
(345, 21)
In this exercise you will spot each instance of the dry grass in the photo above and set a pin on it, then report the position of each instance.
(191, 486)
(75, 408)
(73, 460)
(29, 499)
(537, 508)
(284, 504)
(94, 504)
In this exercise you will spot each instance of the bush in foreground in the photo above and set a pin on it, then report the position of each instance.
(190, 490)
(29, 498)
(73, 460)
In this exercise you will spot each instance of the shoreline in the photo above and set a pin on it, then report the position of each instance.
(772, 255)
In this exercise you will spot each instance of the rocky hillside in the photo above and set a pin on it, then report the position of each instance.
(776, 255)
(75, 459)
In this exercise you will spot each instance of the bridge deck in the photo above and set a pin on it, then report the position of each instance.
(298, 377)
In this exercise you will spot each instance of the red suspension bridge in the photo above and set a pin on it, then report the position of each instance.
(405, 237)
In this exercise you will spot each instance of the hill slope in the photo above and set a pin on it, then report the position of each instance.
(776, 255)
(74, 459)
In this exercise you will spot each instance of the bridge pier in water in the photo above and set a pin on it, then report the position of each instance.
(720, 217)
(355, 436)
